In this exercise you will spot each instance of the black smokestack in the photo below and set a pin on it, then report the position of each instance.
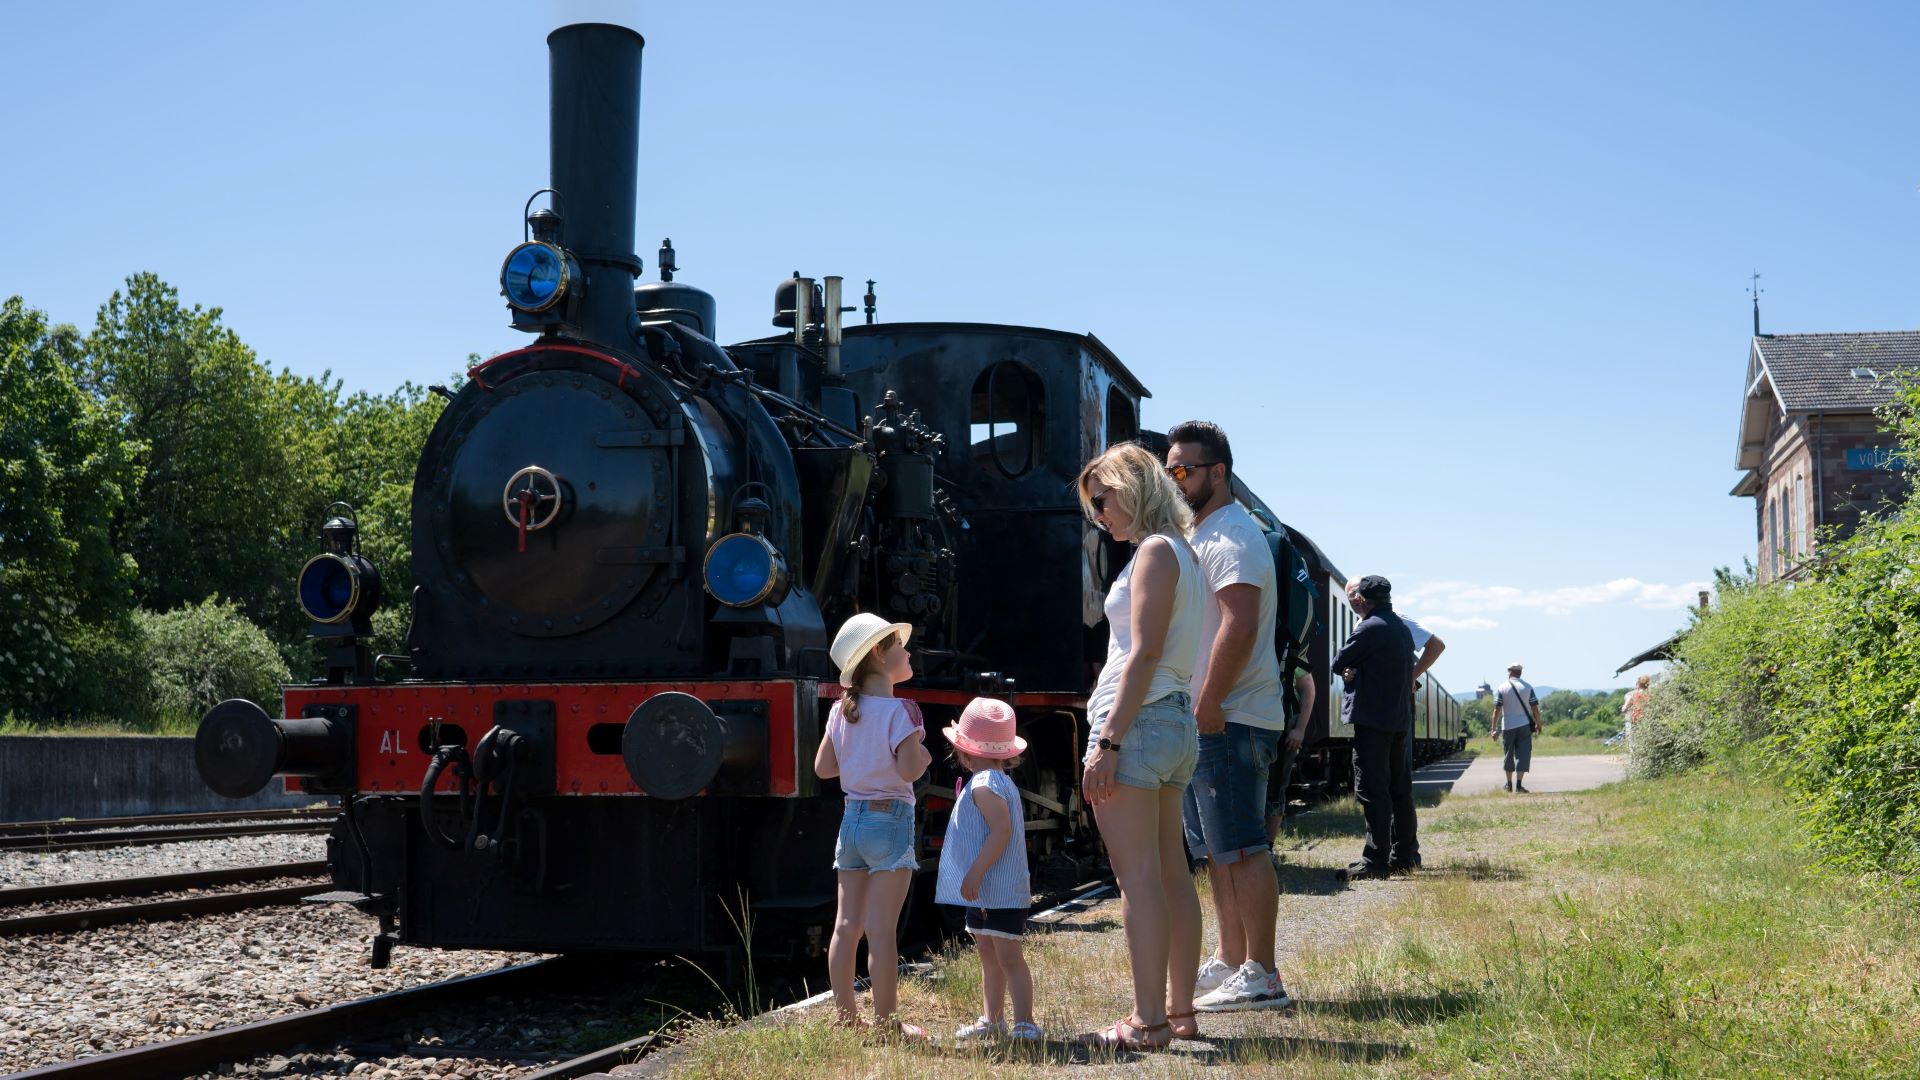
(595, 132)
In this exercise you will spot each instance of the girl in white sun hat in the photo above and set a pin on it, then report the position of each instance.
(875, 744)
(983, 865)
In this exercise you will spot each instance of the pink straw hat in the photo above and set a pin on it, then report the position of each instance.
(986, 729)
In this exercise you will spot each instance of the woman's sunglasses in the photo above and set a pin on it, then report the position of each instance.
(1180, 472)
(1099, 502)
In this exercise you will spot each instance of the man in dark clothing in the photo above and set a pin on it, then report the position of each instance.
(1377, 666)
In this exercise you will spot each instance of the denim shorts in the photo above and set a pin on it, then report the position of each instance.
(875, 840)
(1226, 805)
(1159, 749)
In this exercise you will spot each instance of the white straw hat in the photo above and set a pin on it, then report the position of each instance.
(857, 637)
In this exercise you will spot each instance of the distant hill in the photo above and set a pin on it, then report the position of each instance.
(1543, 691)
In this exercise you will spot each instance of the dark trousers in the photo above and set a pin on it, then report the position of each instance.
(1383, 784)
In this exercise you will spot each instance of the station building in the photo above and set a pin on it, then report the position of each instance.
(1812, 452)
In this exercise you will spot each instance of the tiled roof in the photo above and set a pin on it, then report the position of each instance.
(1814, 372)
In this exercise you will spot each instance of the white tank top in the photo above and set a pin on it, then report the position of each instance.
(1174, 673)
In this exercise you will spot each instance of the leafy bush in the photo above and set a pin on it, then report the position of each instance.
(113, 676)
(1825, 674)
(1671, 736)
(202, 654)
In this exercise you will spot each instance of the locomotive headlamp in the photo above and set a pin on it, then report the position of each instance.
(339, 585)
(329, 587)
(743, 570)
(536, 276)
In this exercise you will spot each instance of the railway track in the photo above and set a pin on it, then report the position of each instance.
(197, 1053)
(172, 908)
(356, 1023)
(86, 833)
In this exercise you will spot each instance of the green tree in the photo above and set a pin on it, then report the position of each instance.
(234, 475)
(65, 470)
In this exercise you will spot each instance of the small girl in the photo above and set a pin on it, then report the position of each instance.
(983, 865)
(875, 743)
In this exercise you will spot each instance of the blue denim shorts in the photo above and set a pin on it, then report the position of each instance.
(875, 840)
(1226, 804)
(1159, 749)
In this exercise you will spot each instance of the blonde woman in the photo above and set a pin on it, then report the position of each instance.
(1143, 744)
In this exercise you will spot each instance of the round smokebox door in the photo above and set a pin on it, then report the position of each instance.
(557, 505)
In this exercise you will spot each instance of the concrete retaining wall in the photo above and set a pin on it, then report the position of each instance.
(52, 776)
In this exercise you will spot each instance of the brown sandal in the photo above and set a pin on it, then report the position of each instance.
(1114, 1036)
(1183, 1031)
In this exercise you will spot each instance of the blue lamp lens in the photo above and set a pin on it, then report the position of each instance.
(738, 570)
(532, 276)
(327, 589)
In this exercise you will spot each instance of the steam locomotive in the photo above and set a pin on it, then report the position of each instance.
(630, 545)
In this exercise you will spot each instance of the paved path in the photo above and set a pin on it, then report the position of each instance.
(1572, 772)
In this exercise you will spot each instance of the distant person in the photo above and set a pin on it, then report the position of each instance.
(1240, 712)
(1377, 665)
(876, 744)
(1142, 741)
(983, 867)
(1516, 719)
(1634, 705)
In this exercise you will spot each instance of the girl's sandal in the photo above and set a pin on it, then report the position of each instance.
(1188, 1030)
(1114, 1036)
(902, 1033)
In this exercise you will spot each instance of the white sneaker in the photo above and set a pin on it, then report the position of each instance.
(1250, 987)
(1212, 973)
(982, 1028)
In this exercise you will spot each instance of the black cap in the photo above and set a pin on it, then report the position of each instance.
(1376, 589)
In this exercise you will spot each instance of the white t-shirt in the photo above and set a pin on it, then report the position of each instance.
(1233, 551)
(1517, 702)
(1421, 635)
(1174, 673)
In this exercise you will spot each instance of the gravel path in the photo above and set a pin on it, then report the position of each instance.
(71, 995)
(18, 868)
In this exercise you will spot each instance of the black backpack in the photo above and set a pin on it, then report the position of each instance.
(1293, 618)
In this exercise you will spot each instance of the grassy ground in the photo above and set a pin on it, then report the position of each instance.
(175, 725)
(1547, 746)
(1671, 928)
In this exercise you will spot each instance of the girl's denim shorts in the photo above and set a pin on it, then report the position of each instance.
(876, 835)
(1161, 747)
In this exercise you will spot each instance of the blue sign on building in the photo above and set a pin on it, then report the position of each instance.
(1876, 457)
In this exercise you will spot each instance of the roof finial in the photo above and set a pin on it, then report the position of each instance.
(1754, 290)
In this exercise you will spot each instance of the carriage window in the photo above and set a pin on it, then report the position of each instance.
(1123, 422)
(1004, 418)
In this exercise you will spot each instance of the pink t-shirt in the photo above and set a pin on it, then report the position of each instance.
(865, 749)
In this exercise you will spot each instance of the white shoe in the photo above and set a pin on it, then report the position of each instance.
(982, 1028)
(1212, 973)
(1026, 1031)
(1251, 987)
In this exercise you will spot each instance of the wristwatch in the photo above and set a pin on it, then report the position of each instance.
(1108, 744)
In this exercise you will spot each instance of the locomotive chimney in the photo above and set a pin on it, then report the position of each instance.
(595, 140)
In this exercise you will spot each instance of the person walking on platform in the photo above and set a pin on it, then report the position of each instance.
(1240, 712)
(1516, 719)
(1376, 663)
(1142, 741)
(1633, 705)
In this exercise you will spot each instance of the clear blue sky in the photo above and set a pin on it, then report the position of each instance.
(1463, 282)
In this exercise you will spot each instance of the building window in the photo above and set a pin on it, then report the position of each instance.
(1004, 418)
(1773, 541)
(1803, 531)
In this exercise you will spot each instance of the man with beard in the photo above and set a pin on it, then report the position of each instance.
(1240, 709)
